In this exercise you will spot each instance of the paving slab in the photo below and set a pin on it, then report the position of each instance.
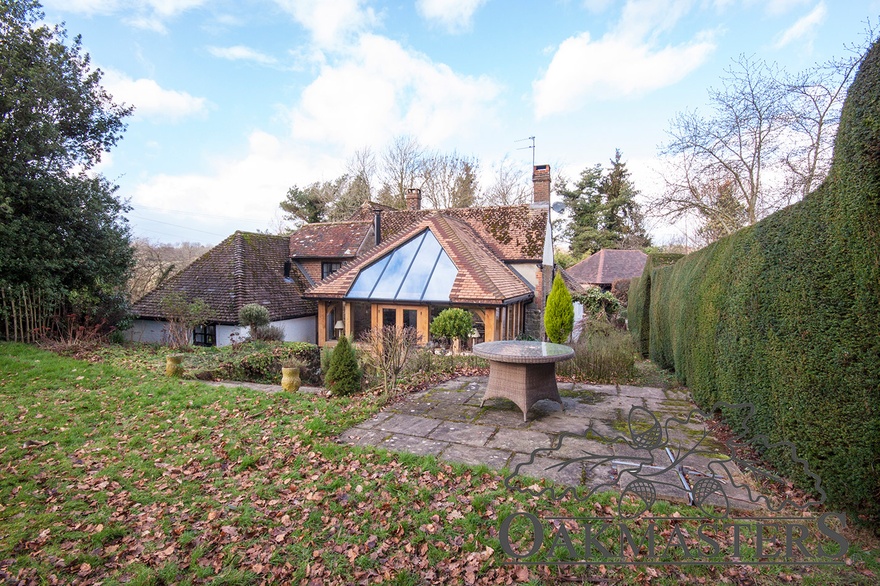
(463, 433)
(408, 424)
(413, 445)
(476, 456)
(453, 397)
(559, 422)
(363, 437)
(448, 412)
(518, 440)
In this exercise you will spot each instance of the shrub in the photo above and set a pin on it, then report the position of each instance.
(602, 353)
(344, 375)
(784, 315)
(268, 333)
(183, 316)
(559, 313)
(387, 349)
(598, 303)
(620, 290)
(254, 316)
(261, 362)
(453, 323)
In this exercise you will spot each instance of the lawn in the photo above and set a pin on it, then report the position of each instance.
(118, 475)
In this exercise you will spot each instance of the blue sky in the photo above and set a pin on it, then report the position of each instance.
(238, 100)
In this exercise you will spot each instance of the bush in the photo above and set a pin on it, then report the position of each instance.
(387, 350)
(620, 290)
(453, 323)
(268, 334)
(559, 313)
(602, 354)
(344, 375)
(254, 316)
(784, 315)
(261, 362)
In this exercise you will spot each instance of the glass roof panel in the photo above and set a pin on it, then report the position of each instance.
(421, 269)
(397, 269)
(440, 283)
(415, 271)
(366, 279)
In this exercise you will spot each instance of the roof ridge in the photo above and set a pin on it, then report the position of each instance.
(238, 267)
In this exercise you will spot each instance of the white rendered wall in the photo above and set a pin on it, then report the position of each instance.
(301, 329)
(147, 330)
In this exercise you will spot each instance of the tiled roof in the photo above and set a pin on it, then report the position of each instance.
(481, 278)
(329, 239)
(512, 233)
(608, 265)
(244, 268)
(570, 282)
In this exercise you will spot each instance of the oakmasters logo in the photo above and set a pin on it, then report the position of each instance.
(732, 522)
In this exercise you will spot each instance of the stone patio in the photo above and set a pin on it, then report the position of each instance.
(587, 446)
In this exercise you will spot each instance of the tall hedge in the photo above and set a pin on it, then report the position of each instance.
(786, 315)
(638, 316)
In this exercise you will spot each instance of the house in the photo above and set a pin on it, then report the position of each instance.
(495, 262)
(244, 268)
(606, 266)
(381, 267)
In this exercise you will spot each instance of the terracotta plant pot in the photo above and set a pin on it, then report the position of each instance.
(290, 380)
(173, 366)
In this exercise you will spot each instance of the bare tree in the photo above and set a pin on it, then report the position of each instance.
(401, 168)
(767, 143)
(815, 101)
(511, 186)
(155, 262)
(450, 180)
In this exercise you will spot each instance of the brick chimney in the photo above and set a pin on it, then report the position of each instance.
(541, 184)
(413, 199)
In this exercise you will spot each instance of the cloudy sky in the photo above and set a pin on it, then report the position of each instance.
(237, 100)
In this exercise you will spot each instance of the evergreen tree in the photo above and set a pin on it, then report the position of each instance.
(62, 230)
(344, 375)
(559, 313)
(604, 212)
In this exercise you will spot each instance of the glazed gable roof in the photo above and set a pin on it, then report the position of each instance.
(244, 268)
(482, 277)
(511, 233)
(608, 265)
(330, 239)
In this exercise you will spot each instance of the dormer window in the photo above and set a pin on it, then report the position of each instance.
(328, 268)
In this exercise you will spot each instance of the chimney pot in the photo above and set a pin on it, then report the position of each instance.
(541, 184)
(413, 199)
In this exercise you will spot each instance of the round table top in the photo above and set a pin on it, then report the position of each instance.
(521, 351)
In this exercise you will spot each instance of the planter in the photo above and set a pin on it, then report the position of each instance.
(290, 380)
(173, 366)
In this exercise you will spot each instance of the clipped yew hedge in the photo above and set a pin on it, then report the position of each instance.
(786, 315)
(638, 305)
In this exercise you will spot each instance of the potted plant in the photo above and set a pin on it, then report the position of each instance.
(173, 366)
(290, 370)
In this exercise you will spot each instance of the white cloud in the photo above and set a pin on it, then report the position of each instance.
(249, 187)
(804, 26)
(146, 14)
(453, 15)
(627, 61)
(332, 23)
(150, 100)
(382, 90)
(242, 53)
